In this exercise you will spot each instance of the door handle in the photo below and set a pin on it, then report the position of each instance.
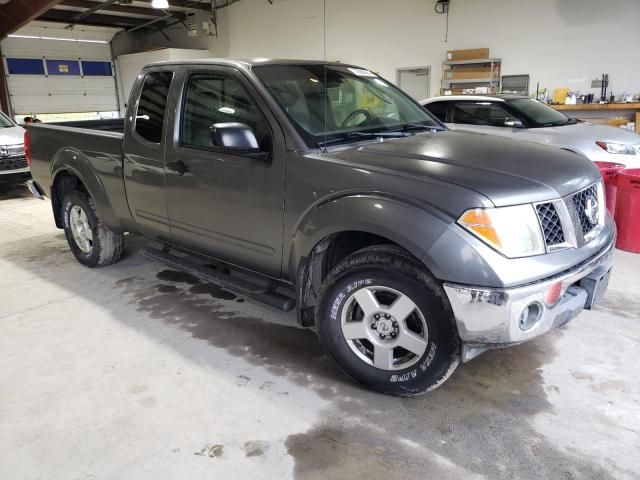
(179, 167)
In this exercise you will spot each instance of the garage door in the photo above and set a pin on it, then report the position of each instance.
(59, 76)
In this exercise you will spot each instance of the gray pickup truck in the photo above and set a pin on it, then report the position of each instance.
(322, 187)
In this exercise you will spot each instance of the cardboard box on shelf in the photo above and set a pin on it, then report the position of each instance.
(459, 91)
(468, 54)
(463, 73)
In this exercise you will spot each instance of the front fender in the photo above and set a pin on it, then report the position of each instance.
(411, 225)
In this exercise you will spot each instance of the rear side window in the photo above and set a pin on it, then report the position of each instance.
(479, 113)
(439, 109)
(152, 106)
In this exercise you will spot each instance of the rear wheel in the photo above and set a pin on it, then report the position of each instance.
(91, 241)
(386, 322)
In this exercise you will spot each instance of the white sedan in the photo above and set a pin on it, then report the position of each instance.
(523, 118)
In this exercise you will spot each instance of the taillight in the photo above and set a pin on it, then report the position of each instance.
(27, 148)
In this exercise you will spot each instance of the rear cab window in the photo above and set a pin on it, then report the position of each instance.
(152, 106)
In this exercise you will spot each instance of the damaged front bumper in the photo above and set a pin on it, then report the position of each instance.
(492, 318)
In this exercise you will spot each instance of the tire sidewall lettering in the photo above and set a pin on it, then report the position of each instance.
(336, 306)
(424, 365)
(429, 358)
(65, 218)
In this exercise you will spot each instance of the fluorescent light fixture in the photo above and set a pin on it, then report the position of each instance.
(79, 40)
(159, 4)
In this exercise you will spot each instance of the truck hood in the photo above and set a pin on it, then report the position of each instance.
(11, 135)
(507, 172)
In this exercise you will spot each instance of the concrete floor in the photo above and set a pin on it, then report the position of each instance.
(136, 372)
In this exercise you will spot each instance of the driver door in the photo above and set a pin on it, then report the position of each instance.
(220, 202)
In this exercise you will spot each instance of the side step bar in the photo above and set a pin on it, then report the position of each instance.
(265, 294)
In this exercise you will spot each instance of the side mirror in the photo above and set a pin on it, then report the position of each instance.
(513, 122)
(234, 136)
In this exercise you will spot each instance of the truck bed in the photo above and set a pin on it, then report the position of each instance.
(92, 150)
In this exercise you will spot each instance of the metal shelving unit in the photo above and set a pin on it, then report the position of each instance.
(492, 81)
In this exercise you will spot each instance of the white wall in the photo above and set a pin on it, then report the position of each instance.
(128, 66)
(555, 41)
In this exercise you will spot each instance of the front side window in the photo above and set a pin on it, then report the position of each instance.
(213, 98)
(325, 103)
(480, 113)
(152, 106)
(539, 113)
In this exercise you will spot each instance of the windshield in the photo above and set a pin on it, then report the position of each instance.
(538, 113)
(326, 105)
(5, 122)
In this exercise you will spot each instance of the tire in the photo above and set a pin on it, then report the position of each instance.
(102, 246)
(398, 283)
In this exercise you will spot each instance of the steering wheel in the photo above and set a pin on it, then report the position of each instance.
(354, 114)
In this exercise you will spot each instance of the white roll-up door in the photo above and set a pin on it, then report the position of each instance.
(50, 73)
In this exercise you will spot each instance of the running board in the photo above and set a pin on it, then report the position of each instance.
(265, 294)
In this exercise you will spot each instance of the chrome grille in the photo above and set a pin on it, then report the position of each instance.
(551, 225)
(13, 163)
(12, 150)
(579, 202)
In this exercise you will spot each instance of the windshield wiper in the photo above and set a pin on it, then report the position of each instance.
(400, 132)
(569, 121)
(422, 126)
(353, 135)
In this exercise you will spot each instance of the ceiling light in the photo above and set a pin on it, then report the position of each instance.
(159, 4)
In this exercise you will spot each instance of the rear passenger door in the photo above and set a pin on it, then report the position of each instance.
(484, 117)
(224, 203)
(145, 125)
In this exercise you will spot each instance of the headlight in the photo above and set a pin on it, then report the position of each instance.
(617, 148)
(513, 231)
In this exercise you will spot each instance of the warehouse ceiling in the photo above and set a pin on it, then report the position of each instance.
(125, 14)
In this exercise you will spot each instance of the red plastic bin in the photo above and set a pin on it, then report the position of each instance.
(628, 210)
(609, 172)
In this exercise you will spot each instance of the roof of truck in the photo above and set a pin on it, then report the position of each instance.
(246, 62)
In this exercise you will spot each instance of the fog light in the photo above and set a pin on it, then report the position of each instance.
(530, 315)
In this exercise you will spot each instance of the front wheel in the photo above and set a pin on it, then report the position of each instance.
(385, 321)
(92, 242)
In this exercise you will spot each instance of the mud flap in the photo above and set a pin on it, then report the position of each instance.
(34, 190)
